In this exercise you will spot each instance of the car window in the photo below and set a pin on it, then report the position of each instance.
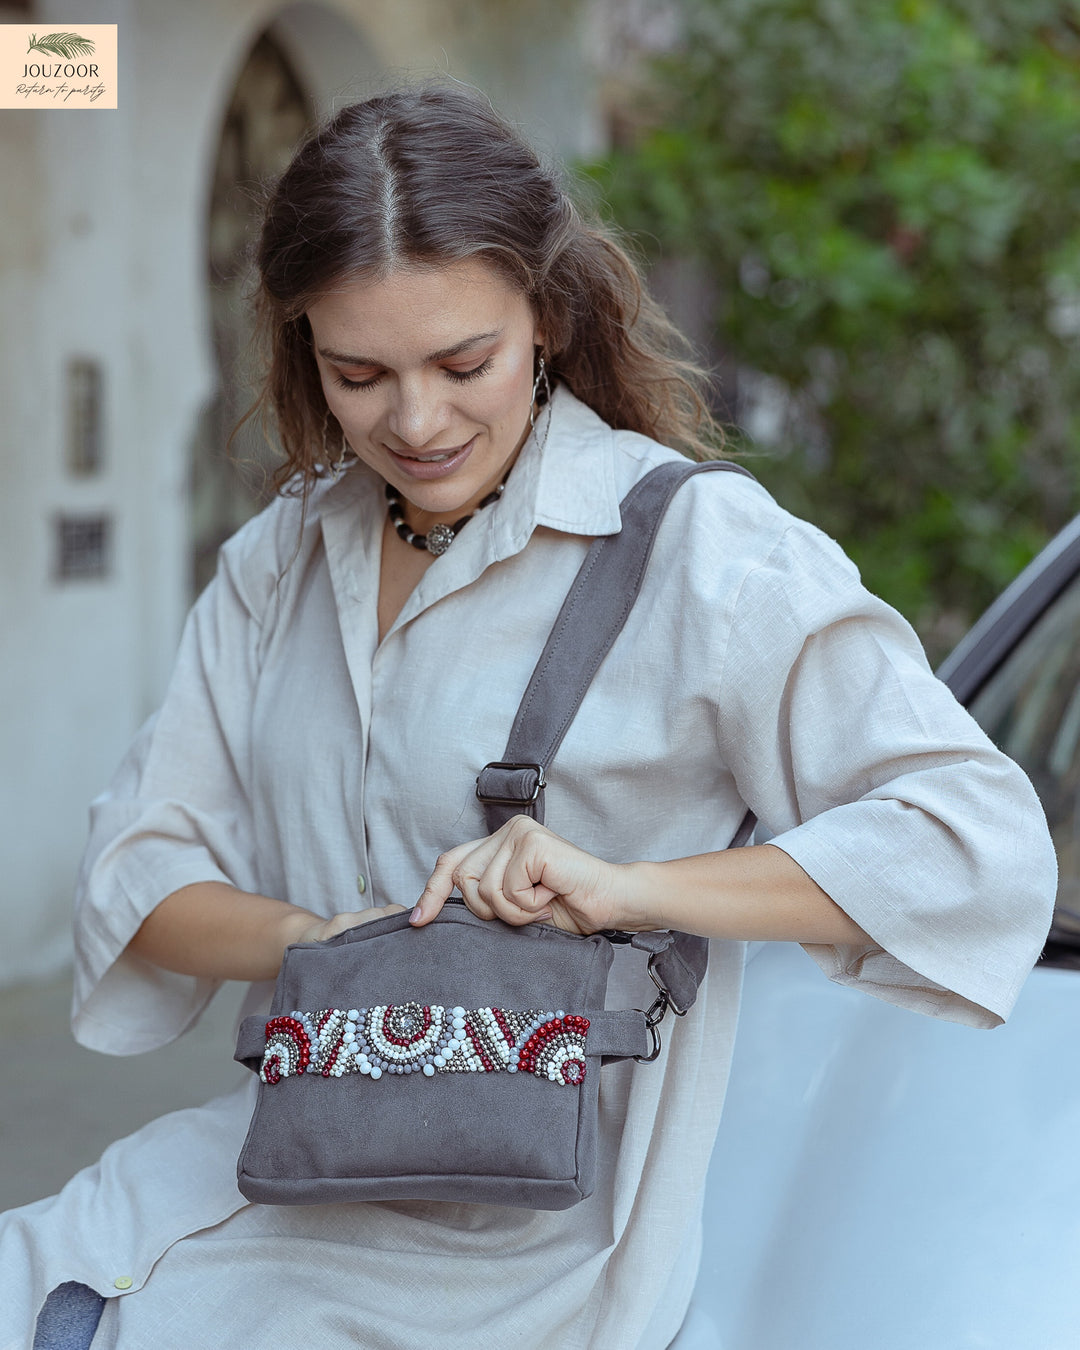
(1030, 707)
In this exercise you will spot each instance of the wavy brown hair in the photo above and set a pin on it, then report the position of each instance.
(431, 175)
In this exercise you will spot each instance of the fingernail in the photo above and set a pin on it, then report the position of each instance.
(414, 917)
(543, 916)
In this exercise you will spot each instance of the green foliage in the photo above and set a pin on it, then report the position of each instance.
(887, 193)
(66, 45)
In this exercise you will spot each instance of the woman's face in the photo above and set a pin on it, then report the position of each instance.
(430, 373)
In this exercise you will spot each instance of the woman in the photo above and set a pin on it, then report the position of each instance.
(359, 657)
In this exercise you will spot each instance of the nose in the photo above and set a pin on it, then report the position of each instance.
(418, 414)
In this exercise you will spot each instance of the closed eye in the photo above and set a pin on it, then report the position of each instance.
(458, 376)
(463, 376)
(343, 383)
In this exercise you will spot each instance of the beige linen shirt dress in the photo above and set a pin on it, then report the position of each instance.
(294, 753)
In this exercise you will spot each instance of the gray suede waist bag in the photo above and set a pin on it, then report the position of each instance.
(461, 1061)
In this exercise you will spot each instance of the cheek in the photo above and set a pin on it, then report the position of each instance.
(331, 392)
(508, 400)
(351, 408)
(521, 368)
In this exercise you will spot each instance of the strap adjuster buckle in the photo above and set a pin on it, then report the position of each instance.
(507, 784)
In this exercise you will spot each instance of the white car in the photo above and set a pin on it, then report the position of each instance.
(884, 1181)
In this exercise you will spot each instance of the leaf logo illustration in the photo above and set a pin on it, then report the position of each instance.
(61, 44)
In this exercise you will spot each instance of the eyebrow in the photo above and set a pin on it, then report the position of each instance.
(444, 354)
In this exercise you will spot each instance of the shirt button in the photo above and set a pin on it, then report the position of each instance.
(361, 883)
(123, 1282)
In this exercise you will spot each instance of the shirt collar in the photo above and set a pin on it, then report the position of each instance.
(570, 461)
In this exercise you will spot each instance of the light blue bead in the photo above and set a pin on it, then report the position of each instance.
(429, 1070)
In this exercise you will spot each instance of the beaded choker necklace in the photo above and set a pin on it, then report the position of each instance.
(439, 538)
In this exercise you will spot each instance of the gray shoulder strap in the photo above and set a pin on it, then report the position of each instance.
(591, 618)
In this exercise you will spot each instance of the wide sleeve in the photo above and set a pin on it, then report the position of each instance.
(883, 789)
(177, 812)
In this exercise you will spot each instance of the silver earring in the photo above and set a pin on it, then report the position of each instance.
(540, 383)
(337, 467)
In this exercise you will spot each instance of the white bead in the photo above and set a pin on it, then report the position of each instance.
(457, 1012)
(375, 1071)
(440, 1061)
(429, 1070)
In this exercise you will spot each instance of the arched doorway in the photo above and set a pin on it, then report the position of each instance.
(266, 117)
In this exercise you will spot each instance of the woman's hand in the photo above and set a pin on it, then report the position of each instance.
(523, 873)
(321, 929)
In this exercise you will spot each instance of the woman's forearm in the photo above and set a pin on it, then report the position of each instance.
(218, 932)
(524, 873)
(749, 894)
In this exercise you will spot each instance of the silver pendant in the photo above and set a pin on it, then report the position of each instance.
(439, 539)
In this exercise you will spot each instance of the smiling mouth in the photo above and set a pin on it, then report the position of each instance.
(434, 457)
(432, 464)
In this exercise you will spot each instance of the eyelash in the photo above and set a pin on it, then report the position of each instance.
(458, 377)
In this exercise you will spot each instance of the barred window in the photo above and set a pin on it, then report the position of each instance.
(82, 547)
(84, 400)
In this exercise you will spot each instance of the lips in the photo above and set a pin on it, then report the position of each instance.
(431, 459)
(432, 463)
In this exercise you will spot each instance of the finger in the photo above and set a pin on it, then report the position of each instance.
(340, 922)
(476, 876)
(439, 884)
(507, 886)
(523, 882)
(353, 918)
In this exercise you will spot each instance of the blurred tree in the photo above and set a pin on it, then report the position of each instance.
(887, 194)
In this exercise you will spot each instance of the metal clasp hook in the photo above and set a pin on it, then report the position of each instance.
(665, 993)
(655, 1015)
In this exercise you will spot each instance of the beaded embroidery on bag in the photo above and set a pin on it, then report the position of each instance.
(408, 1038)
